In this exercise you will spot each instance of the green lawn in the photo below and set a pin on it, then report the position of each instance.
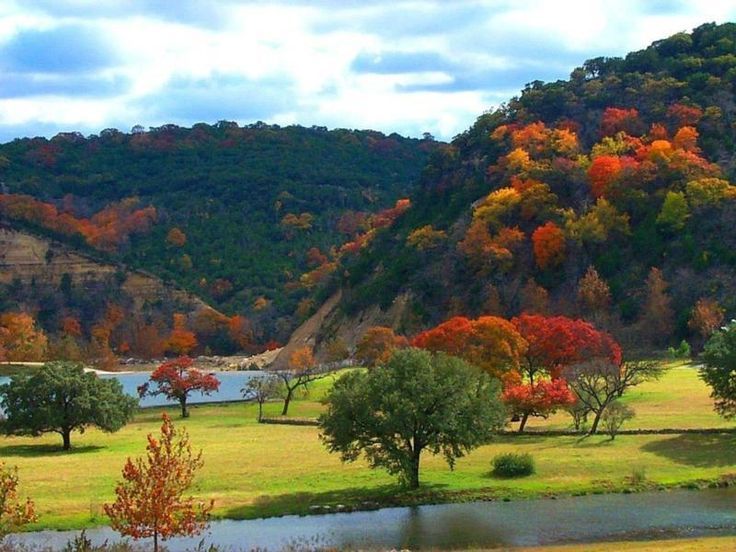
(254, 469)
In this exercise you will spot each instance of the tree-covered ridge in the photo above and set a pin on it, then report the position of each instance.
(234, 214)
(609, 195)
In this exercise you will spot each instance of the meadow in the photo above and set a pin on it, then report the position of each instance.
(254, 470)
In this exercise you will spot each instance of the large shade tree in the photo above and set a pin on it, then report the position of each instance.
(417, 401)
(60, 398)
(719, 369)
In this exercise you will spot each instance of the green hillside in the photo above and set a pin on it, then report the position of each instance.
(625, 167)
(227, 212)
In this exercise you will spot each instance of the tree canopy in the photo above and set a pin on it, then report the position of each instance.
(416, 401)
(61, 398)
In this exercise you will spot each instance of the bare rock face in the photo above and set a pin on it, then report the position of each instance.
(30, 258)
(330, 323)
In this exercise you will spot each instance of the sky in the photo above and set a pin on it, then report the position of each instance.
(406, 66)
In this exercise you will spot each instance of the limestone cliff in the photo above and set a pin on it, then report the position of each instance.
(28, 258)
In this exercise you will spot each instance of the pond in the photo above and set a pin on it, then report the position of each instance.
(230, 385)
(655, 515)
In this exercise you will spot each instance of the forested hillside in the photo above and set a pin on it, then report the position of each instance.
(609, 196)
(233, 214)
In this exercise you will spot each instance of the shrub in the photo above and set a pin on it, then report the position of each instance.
(682, 352)
(513, 465)
(614, 417)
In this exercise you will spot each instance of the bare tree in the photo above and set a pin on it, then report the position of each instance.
(260, 389)
(300, 371)
(598, 382)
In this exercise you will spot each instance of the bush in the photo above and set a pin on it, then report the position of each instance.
(682, 352)
(614, 417)
(513, 465)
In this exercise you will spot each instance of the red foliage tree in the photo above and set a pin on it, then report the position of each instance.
(149, 500)
(603, 171)
(549, 245)
(616, 119)
(176, 379)
(537, 399)
(554, 342)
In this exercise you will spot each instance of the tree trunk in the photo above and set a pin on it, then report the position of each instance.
(155, 541)
(522, 425)
(66, 436)
(287, 400)
(594, 426)
(184, 411)
(413, 475)
(260, 411)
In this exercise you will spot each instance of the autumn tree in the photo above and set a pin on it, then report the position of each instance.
(176, 237)
(553, 342)
(176, 380)
(537, 399)
(489, 342)
(150, 501)
(594, 295)
(658, 317)
(417, 401)
(549, 245)
(377, 345)
(705, 318)
(181, 341)
(300, 371)
(20, 339)
(14, 513)
(60, 398)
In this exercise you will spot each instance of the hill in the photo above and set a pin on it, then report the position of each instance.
(232, 214)
(608, 195)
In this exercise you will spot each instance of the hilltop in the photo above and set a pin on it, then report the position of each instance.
(607, 196)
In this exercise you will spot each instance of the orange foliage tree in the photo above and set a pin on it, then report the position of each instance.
(377, 345)
(549, 245)
(150, 501)
(658, 317)
(176, 237)
(705, 318)
(14, 513)
(181, 341)
(19, 338)
(176, 379)
(489, 342)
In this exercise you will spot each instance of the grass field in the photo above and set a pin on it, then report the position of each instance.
(254, 470)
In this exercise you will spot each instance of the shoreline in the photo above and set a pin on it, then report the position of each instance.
(426, 497)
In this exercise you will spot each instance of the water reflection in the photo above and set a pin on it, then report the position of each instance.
(482, 524)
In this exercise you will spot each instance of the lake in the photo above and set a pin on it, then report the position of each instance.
(654, 515)
(230, 385)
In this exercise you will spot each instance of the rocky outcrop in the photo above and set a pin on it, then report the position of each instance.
(331, 323)
(28, 258)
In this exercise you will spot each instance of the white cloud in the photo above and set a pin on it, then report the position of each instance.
(299, 58)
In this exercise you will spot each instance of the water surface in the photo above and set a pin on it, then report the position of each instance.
(667, 514)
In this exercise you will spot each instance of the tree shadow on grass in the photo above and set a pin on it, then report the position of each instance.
(701, 450)
(355, 498)
(31, 451)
